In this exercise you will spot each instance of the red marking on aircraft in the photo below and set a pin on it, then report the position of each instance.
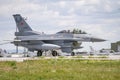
(21, 23)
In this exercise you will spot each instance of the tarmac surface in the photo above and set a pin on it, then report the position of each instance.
(95, 57)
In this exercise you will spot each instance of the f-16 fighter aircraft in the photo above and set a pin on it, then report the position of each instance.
(67, 41)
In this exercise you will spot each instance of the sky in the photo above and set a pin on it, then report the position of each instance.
(99, 18)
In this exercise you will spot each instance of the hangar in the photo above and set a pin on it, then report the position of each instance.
(115, 46)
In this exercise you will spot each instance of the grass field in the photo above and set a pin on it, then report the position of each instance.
(60, 69)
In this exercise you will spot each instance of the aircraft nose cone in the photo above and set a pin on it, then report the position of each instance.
(97, 40)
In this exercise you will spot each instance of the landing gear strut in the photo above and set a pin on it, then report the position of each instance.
(54, 53)
(39, 53)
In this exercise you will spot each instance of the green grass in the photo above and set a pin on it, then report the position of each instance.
(78, 56)
(60, 69)
(101, 56)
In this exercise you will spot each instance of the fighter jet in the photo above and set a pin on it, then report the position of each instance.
(65, 40)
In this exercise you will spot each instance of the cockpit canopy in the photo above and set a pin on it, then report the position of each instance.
(74, 31)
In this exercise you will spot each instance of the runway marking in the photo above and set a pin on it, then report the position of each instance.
(21, 59)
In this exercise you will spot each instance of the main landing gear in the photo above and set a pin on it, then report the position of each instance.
(54, 53)
(39, 53)
(73, 54)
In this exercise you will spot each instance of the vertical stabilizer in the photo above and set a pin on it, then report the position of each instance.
(21, 23)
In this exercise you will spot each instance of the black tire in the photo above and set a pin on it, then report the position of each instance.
(39, 53)
(54, 53)
(72, 54)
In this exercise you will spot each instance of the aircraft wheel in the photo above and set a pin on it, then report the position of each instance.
(54, 53)
(72, 54)
(39, 53)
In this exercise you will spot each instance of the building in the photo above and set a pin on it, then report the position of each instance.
(115, 46)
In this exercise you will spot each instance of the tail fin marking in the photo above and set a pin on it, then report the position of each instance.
(21, 23)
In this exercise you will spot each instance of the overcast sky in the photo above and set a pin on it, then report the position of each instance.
(100, 18)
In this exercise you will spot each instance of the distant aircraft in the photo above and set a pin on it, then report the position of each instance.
(3, 53)
(65, 40)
